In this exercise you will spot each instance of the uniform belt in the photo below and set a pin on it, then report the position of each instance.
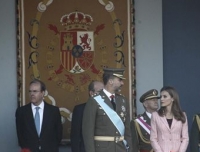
(109, 138)
(144, 150)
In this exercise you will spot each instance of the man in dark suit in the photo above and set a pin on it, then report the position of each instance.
(45, 133)
(106, 119)
(77, 144)
(140, 127)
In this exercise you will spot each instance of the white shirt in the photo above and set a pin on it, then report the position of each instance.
(108, 93)
(148, 114)
(41, 111)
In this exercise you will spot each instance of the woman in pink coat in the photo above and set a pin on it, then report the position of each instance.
(169, 126)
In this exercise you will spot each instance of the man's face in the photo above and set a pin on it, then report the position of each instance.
(117, 83)
(35, 94)
(151, 105)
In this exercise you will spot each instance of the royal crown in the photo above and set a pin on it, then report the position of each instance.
(76, 21)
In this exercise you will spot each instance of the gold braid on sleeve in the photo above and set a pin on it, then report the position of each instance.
(145, 140)
(198, 123)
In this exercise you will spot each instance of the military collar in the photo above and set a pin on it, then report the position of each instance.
(107, 93)
(148, 114)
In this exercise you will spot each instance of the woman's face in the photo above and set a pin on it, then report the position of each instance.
(166, 99)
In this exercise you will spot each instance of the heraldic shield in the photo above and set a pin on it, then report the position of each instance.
(77, 50)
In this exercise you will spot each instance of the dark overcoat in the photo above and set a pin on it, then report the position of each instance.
(77, 144)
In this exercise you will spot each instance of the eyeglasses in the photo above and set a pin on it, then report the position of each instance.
(33, 91)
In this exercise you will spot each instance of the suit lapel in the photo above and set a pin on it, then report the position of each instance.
(117, 102)
(30, 118)
(164, 121)
(45, 117)
(174, 121)
(106, 99)
(146, 118)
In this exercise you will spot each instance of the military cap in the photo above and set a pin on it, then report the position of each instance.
(115, 72)
(151, 94)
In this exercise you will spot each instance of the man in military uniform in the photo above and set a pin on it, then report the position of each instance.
(140, 127)
(195, 134)
(106, 119)
(77, 144)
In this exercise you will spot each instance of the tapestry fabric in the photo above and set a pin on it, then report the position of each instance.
(67, 43)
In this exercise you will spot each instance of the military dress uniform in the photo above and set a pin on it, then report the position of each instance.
(141, 126)
(195, 134)
(99, 133)
(140, 137)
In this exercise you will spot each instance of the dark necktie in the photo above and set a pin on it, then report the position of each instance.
(37, 120)
(113, 102)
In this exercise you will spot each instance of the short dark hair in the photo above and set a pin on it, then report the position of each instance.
(106, 77)
(91, 86)
(42, 85)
